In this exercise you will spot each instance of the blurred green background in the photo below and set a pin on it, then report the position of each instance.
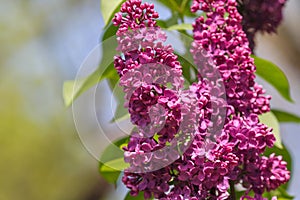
(41, 155)
(42, 44)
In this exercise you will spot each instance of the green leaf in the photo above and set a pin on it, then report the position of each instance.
(109, 174)
(161, 23)
(114, 151)
(109, 45)
(180, 27)
(73, 89)
(176, 7)
(113, 80)
(140, 196)
(173, 6)
(273, 75)
(109, 8)
(286, 117)
(172, 20)
(186, 7)
(284, 194)
(239, 194)
(112, 161)
(187, 67)
(121, 113)
(280, 193)
(271, 121)
(117, 163)
(110, 31)
(68, 89)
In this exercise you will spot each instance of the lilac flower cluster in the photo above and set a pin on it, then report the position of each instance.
(138, 15)
(260, 15)
(146, 66)
(176, 152)
(220, 37)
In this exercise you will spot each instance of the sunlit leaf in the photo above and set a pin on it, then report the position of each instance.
(280, 193)
(273, 75)
(187, 68)
(112, 160)
(73, 89)
(109, 8)
(181, 27)
(172, 5)
(271, 121)
(286, 117)
(109, 32)
(109, 174)
(239, 194)
(121, 113)
(161, 23)
(172, 20)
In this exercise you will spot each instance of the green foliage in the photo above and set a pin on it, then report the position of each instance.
(180, 27)
(121, 113)
(270, 120)
(273, 75)
(285, 117)
(112, 161)
(280, 193)
(188, 68)
(170, 4)
(109, 8)
(41, 156)
(73, 89)
(179, 7)
(239, 194)
(109, 32)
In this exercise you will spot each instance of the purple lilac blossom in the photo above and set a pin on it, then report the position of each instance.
(220, 37)
(210, 161)
(145, 67)
(260, 16)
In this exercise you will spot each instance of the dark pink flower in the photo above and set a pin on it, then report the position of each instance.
(181, 148)
(221, 39)
(260, 16)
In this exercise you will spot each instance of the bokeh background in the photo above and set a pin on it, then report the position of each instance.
(43, 43)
